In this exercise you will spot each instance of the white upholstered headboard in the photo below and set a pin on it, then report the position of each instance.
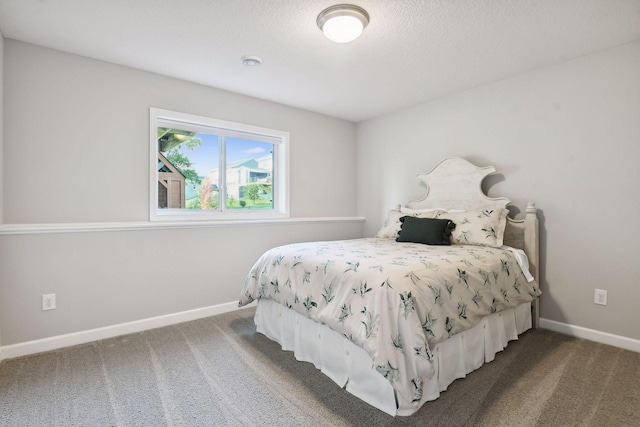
(456, 184)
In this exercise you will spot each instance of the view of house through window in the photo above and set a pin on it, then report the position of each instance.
(205, 168)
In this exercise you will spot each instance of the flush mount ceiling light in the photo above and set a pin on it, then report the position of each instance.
(343, 23)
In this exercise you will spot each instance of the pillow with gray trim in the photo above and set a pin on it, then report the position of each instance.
(483, 227)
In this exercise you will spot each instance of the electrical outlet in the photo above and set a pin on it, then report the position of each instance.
(600, 297)
(48, 302)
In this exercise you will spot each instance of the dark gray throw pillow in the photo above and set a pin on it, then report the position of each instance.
(425, 230)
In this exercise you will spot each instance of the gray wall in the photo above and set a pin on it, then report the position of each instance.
(1, 124)
(1, 149)
(76, 150)
(566, 137)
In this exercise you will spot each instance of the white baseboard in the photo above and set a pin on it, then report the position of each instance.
(592, 335)
(82, 337)
(60, 341)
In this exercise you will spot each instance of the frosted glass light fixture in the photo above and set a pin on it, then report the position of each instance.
(343, 23)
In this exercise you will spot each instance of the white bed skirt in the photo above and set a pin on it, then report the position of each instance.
(352, 368)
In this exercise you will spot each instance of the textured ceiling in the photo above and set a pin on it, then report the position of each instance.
(411, 52)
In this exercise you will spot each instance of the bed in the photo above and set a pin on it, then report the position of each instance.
(395, 319)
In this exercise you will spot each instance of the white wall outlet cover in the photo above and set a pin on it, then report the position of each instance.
(48, 302)
(600, 297)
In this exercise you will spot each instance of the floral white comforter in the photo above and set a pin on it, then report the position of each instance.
(395, 300)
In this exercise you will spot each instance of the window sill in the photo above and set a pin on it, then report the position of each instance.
(14, 229)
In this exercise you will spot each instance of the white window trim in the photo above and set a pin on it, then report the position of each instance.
(280, 166)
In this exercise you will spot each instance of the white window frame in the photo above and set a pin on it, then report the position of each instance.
(279, 139)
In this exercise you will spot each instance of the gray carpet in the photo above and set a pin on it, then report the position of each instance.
(219, 371)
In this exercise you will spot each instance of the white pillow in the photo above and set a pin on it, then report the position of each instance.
(391, 227)
(484, 227)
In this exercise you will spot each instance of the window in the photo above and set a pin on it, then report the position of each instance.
(208, 169)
